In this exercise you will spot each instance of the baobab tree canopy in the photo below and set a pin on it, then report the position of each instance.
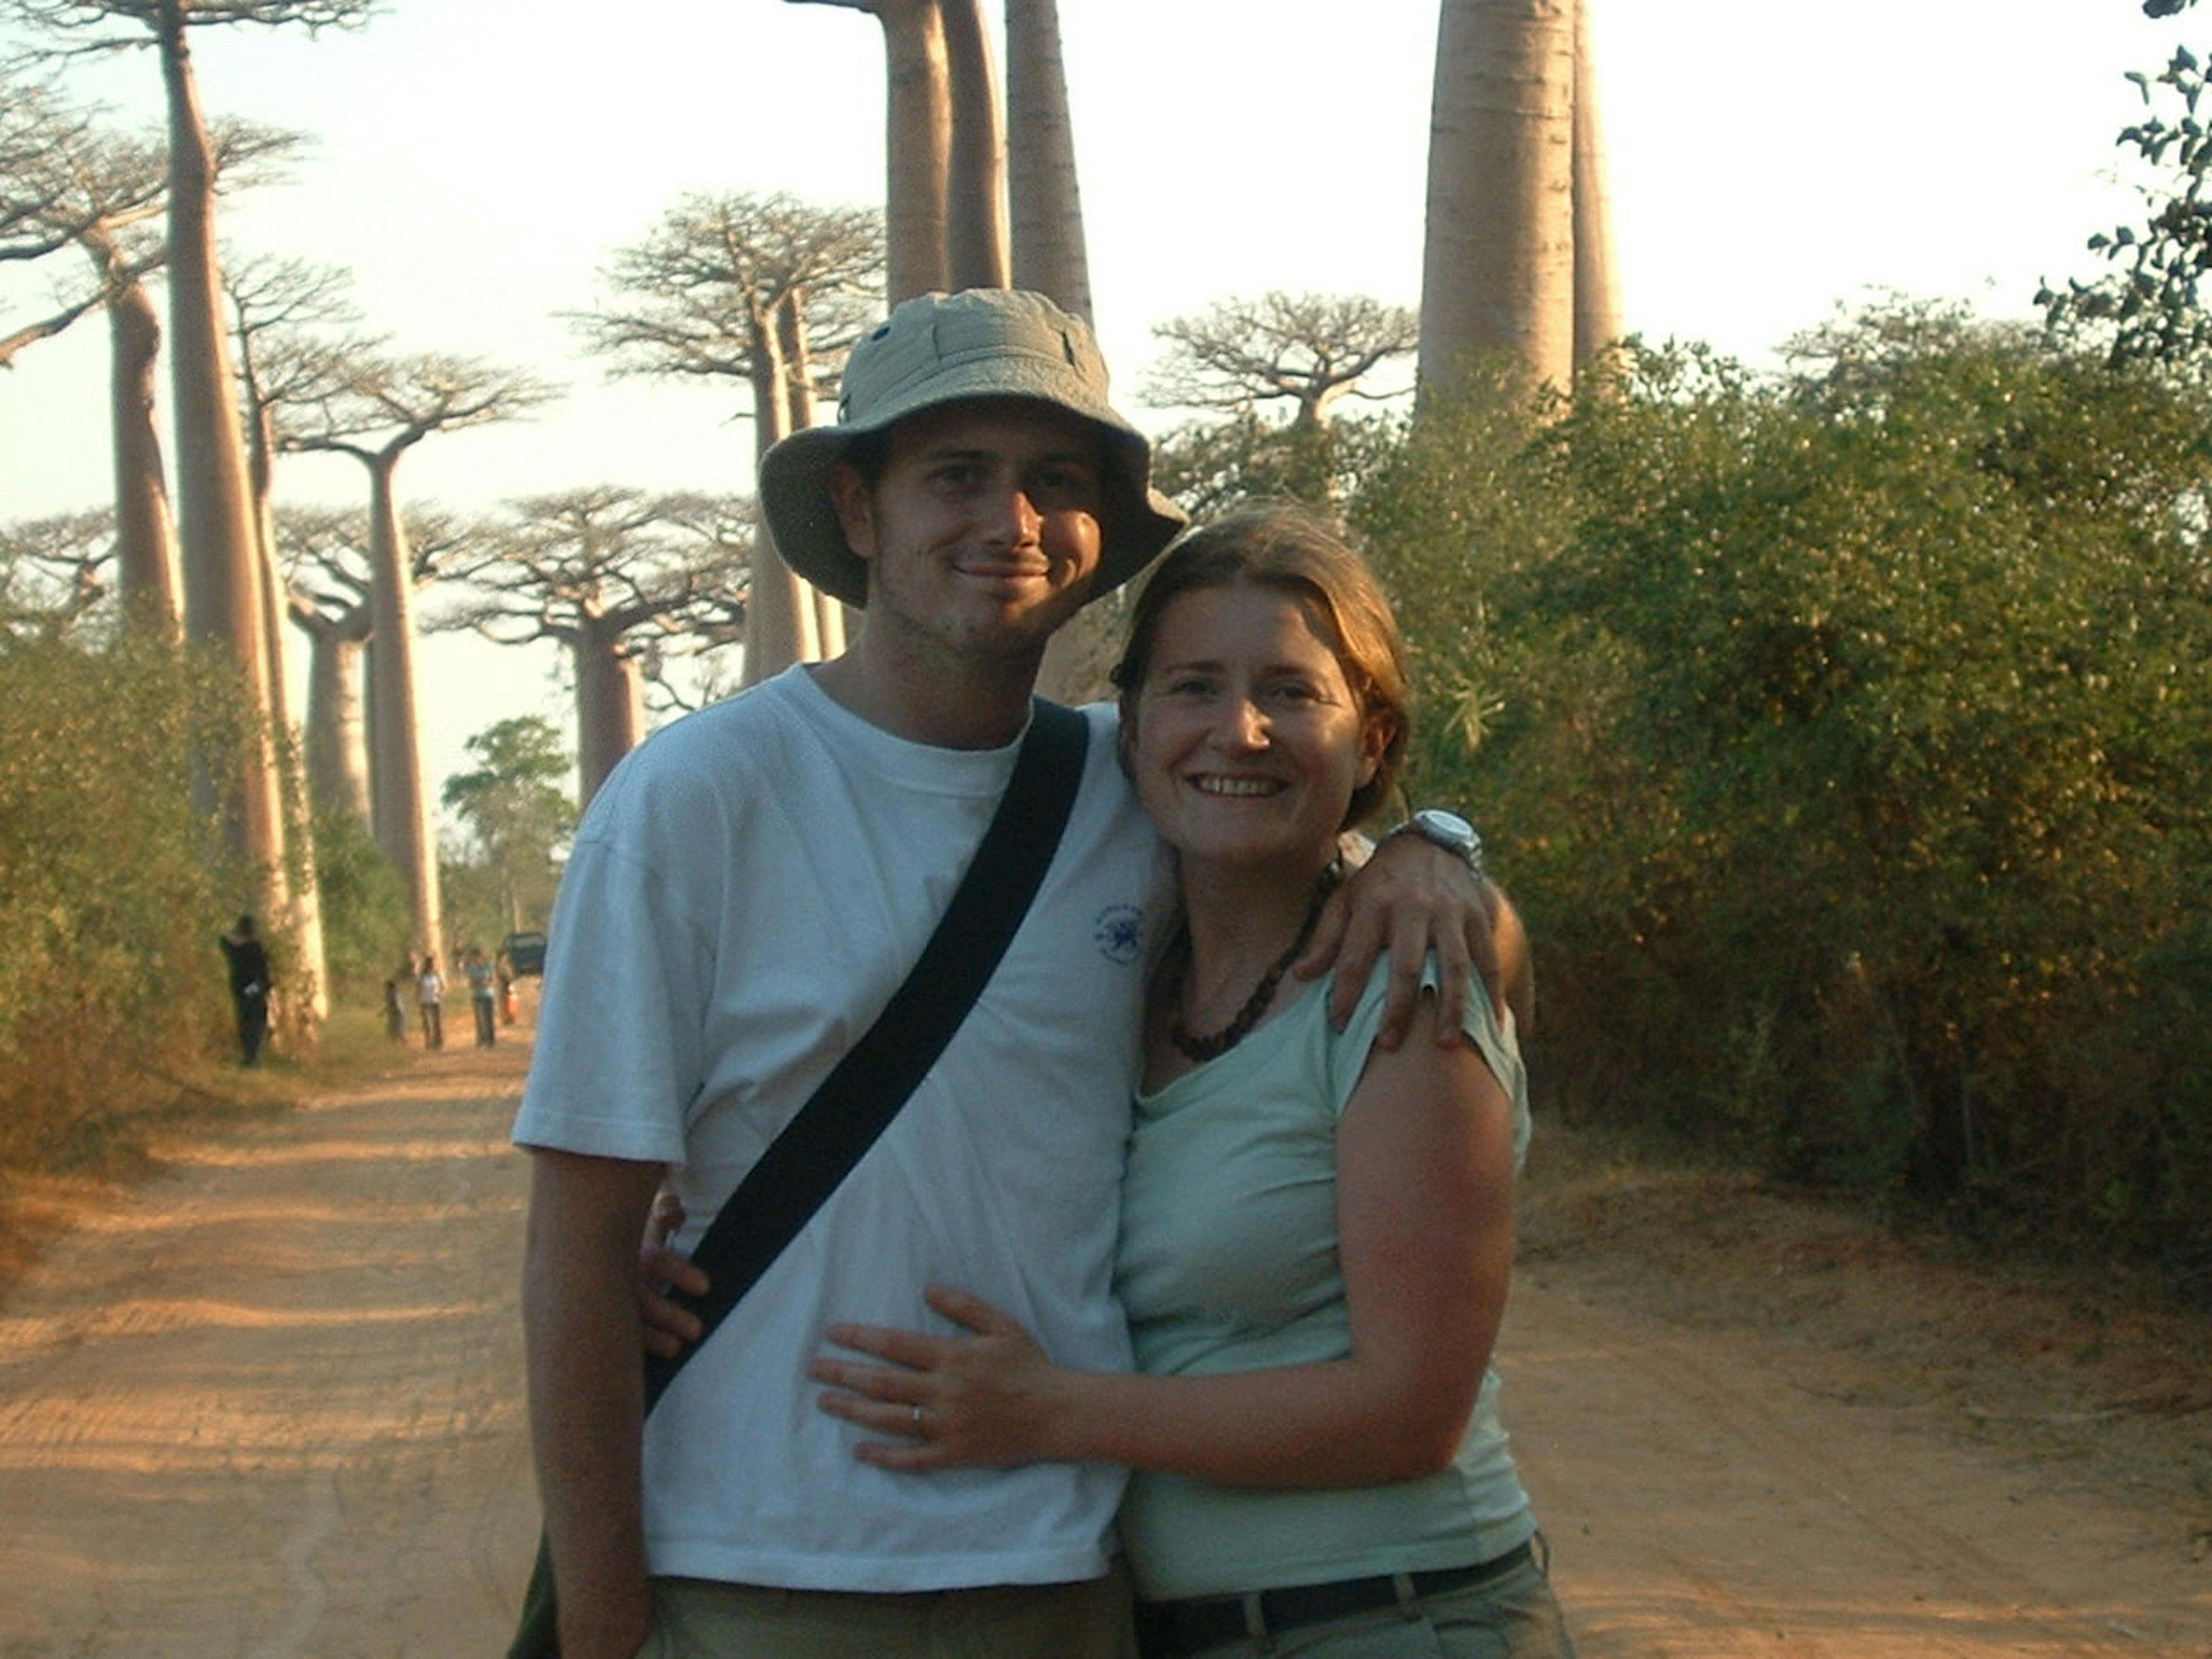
(1306, 350)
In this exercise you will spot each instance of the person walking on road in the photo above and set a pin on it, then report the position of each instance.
(483, 991)
(429, 997)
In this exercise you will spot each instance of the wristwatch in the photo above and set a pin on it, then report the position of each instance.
(1447, 830)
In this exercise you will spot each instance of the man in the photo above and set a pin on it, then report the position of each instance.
(744, 894)
(249, 986)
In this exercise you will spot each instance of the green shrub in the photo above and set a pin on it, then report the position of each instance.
(366, 915)
(112, 894)
(1844, 732)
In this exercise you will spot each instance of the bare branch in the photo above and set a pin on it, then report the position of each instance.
(44, 329)
(706, 284)
(1308, 350)
(55, 572)
(386, 404)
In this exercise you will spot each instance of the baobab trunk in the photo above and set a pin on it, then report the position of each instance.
(336, 743)
(918, 141)
(310, 978)
(1050, 255)
(609, 709)
(1597, 275)
(976, 252)
(402, 803)
(1045, 202)
(799, 414)
(215, 519)
(145, 531)
(781, 626)
(1498, 270)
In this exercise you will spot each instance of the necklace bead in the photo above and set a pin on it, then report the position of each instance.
(1193, 1046)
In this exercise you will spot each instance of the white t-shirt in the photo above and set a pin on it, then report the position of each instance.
(747, 890)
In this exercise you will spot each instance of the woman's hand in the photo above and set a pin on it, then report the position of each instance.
(989, 1398)
(669, 1327)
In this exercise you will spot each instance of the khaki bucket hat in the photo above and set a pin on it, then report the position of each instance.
(944, 347)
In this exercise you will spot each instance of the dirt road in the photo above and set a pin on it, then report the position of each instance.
(270, 1406)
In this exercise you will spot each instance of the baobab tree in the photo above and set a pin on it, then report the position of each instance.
(799, 380)
(386, 407)
(1498, 267)
(599, 572)
(1241, 358)
(760, 288)
(55, 574)
(1597, 269)
(702, 662)
(328, 581)
(918, 142)
(44, 206)
(1308, 350)
(223, 586)
(283, 312)
(1045, 210)
(65, 182)
(978, 252)
(945, 148)
(327, 600)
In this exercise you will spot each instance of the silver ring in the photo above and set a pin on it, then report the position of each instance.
(921, 1422)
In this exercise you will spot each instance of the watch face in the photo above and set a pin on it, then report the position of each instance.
(1447, 829)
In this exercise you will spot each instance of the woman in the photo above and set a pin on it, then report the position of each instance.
(1316, 1233)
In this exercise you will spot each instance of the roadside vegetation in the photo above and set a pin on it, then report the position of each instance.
(1842, 730)
(116, 1025)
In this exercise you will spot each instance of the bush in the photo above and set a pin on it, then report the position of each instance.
(367, 918)
(1845, 733)
(114, 896)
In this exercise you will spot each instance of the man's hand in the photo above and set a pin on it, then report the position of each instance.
(669, 1327)
(1414, 899)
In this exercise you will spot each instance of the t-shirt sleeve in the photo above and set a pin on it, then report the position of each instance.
(1493, 1039)
(618, 1054)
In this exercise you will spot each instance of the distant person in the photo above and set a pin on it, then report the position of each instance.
(483, 991)
(509, 1013)
(249, 986)
(398, 986)
(429, 997)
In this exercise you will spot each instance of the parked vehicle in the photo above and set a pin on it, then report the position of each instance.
(526, 952)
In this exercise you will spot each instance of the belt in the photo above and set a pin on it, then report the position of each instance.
(1170, 1630)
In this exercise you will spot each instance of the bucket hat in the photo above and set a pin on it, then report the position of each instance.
(945, 347)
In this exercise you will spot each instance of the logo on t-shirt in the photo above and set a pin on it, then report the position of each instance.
(1119, 933)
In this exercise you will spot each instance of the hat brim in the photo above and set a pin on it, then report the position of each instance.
(1136, 522)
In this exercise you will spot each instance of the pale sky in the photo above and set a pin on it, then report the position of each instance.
(1772, 160)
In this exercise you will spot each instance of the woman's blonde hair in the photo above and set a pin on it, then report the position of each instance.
(1299, 553)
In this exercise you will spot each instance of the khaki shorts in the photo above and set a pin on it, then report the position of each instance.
(696, 1619)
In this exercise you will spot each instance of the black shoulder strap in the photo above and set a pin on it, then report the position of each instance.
(815, 1150)
(808, 1161)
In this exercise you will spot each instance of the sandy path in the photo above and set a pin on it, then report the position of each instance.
(1709, 1496)
(270, 1406)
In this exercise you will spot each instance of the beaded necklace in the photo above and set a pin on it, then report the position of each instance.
(1206, 1047)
